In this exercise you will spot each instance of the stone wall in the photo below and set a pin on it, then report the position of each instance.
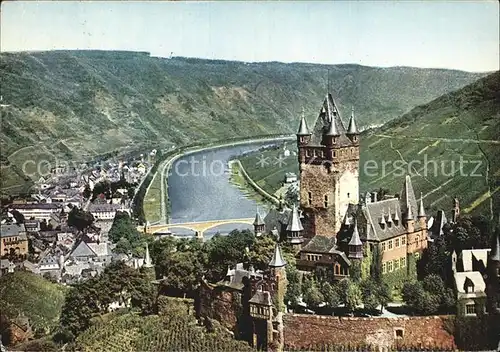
(313, 331)
(220, 304)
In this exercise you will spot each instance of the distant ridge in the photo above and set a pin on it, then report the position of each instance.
(73, 105)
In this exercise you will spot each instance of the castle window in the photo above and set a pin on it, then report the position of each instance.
(403, 241)
(417, 241)
(326, 201)
(396, 264)
(396, 243)
(389, 266)
(308, 152)
(389, 245)
(384, 268)
(470, 309)
(383, 246)
(334, 154)
(337, 269)
(403, 262)
(398, 333)
(348, 195)
(417, 256)
(309, 195)
(355, 138)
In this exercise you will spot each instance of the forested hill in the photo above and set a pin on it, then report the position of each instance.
(75, 104)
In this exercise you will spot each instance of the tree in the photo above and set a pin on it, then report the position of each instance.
(124, 233)
(17, 216)
(261, 252)
(294, 287)
(353, 296)
(313, 296)
(183, 274)
(376, 264)
(429, 296)
(80, 219)
(87, 192)
(330, 296)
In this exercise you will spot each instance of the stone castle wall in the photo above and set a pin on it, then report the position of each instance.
(314, 331)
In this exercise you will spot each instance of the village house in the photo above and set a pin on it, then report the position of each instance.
(104, 211)
(13, 240)
(37, 211)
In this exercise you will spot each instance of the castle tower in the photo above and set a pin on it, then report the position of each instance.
(408, 204)
(258, 224)
(355, 244)
(329, 168)
(278, 273)
(294, 229)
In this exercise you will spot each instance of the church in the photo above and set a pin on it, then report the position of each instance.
(333, 227)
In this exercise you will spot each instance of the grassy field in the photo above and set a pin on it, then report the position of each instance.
(449, 147)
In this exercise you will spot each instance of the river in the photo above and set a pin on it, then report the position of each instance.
(199, 190)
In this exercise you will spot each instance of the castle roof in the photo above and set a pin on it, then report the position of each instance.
(329, 114)
(323, 244)
(277, 260)
(303, 130)
(355, 240)
(258, 219)
(495, 251)
(294, 224)
(352, 129)
(261, 297)
(421, 210)
(408, 200)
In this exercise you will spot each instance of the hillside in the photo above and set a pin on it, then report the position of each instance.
(132, 332)
(464, 123)
(73, 105)
(24, 293)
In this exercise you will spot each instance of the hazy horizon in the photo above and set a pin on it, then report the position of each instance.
(441, 35)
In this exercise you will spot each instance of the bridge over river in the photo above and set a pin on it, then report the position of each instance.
(198, 227)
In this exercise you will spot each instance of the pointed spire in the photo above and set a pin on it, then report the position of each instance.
(389, 217)
(495, 252)
(409, 213)
(352, 129)
(147, 258)
(396, 216)
(355, 240)
(258, 219)
(303, 129)
(346, 220)
(277, 260)
(382, 218)
(421, 210)
(294, 224)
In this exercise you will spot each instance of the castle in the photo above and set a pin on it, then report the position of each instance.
(334, 227)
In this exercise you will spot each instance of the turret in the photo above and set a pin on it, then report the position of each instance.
(352, 130)
(331, 134)
(258, 225)
(409, 220)
(303, 134)
(294, 228)
(277, 260)
(355, 244)
(495, 251)
(422, 217)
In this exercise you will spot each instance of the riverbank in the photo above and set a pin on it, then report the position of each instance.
(241, 179)
(155, 194)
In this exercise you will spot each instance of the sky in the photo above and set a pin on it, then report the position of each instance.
(449, 34)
